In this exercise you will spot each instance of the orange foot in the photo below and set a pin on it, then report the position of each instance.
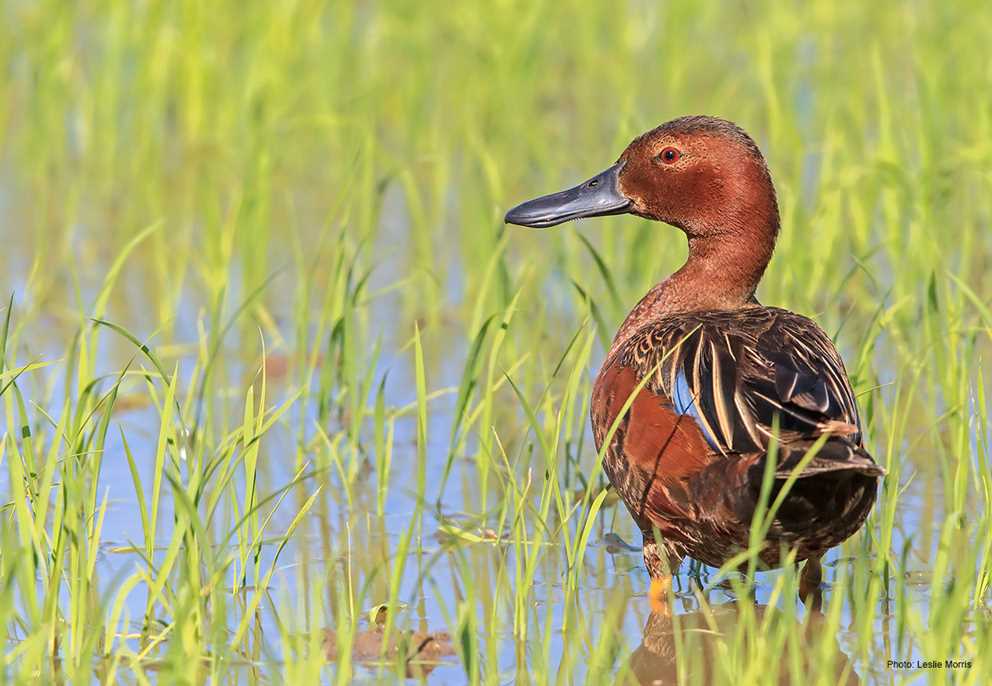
(658, 595)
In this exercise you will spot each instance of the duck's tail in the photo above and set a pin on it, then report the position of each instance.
(837, 454)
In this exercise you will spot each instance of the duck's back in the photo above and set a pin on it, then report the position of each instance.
(715, 388)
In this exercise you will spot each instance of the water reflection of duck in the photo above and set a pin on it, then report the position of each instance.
(713, 370)
(702, 640)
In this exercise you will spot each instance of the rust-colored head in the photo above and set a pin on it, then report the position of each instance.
(702, 174)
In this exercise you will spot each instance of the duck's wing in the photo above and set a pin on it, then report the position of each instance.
(744, 376)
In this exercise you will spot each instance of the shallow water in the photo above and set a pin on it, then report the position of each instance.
(613, 570)
(314, 143)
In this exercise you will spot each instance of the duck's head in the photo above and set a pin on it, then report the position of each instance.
(702, 174)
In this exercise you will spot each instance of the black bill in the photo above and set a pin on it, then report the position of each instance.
(597, 197)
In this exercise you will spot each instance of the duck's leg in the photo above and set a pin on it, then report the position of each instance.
(662, 562)
(809, 582)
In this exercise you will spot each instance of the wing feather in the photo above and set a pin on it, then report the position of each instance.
(738, 373)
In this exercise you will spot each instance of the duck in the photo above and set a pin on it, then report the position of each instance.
(703, 385)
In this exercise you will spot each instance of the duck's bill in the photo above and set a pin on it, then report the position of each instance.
(597, 197)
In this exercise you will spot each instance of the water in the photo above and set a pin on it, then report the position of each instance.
(344, 536)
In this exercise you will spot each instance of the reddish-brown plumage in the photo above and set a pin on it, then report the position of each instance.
(653, 431)
(661, 448)
(720, 372)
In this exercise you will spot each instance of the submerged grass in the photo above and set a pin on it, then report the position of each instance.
(275, 378)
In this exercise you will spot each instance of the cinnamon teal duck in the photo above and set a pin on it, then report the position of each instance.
(724, 372)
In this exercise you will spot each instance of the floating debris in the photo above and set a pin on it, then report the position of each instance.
(615, 544)
(422, 651)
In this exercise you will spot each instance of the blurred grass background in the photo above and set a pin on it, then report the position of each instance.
(297, 207)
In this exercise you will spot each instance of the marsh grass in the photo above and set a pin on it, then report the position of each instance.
(272, 363)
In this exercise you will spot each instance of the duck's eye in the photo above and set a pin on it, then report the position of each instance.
(669, 155)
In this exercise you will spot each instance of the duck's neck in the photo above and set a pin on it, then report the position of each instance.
(721, 273)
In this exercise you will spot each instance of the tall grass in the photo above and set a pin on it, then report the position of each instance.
(272, 365)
